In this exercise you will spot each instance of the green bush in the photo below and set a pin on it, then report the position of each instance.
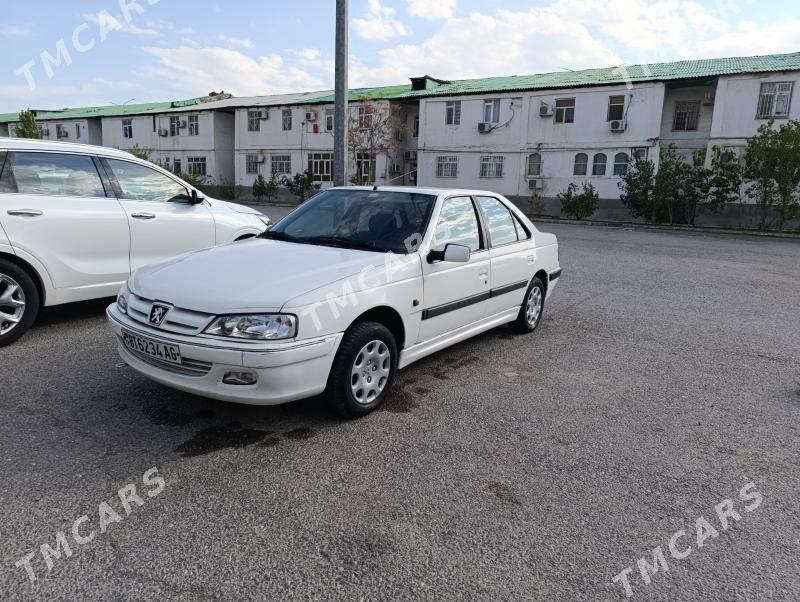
(579, 205)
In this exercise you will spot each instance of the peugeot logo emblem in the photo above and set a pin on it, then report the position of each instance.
(158, 312)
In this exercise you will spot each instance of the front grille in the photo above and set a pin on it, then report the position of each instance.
(187, 367)
(178, 320)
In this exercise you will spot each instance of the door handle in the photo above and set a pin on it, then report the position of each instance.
(531, 258)
(25, 212)
(483, 276)
(143, 215)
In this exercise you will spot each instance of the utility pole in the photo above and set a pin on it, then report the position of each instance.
(340, 98)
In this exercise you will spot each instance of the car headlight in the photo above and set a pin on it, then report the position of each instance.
(122, 299)
(254, 326)
(265, 220)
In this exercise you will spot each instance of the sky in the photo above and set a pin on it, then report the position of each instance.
(60, 53)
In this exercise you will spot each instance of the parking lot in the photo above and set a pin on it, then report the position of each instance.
(664, 377)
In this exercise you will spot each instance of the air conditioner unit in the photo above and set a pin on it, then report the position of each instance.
(484, 128)
(311, 115)
(163, 132)
(618, 125)
(545, 110)
(183, 124)
(534, 184)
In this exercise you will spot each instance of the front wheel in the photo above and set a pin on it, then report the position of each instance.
(363, 370)
(19, 302)
(530, 312)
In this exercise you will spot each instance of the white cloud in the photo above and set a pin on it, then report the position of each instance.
(432, 9)
(378, 23)
(234, 41)
(16, 31)
(196, 71)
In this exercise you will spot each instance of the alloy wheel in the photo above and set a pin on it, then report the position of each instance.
(534, 306)
(12, 304)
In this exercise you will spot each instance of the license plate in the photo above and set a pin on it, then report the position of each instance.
(160, 351)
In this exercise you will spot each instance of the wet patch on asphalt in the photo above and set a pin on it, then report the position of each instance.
(166, 416)
(299, 433)
(217, 438)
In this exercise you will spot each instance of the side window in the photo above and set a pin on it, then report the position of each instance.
(51, 174)
(141, 183)
(457, 225)
(502, 230)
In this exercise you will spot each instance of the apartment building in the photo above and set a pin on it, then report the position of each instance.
(518, 135)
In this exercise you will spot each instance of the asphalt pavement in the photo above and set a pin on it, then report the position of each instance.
(663, 379)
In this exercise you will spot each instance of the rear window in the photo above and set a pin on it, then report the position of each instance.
(51, 174)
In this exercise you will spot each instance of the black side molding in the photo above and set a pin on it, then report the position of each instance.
(467, 301)
(555, 275)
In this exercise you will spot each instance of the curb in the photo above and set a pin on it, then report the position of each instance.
(685, 229)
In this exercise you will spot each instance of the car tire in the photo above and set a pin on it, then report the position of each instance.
(363, 370)
(532, 308)
(19, 302)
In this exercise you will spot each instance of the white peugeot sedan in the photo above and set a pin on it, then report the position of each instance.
(340, 294)
(76, 220)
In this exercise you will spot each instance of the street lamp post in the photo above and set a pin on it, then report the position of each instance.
(340, 98)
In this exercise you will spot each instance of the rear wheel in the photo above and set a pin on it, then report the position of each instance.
(363, 370)
(19, 302)
(530, 312)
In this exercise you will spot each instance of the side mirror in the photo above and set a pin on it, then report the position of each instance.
(196, 199)
(452, 253)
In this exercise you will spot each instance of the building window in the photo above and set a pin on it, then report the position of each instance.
(281, 165)
(415, 128)
(640, 152)
(491, 111)
(774, 99)
(365, 168)
(61, 132)
(616, 107)
(534, 165)
(565, 110)
(174, 126)
(581, 162)
(492, 166)
(177, 166)
(194, 125)
(599, 164)
(686, 114)
(253, 121)
(321, 166)
(286, 119)
(329, 117)
(365, 117)
(127, 128)
(77, 130)
(251, 163)
(620, 164)
(447, 166)
(453, 113)
(165, 163)
(196, 166)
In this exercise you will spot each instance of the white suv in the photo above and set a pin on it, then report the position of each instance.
(76, 220)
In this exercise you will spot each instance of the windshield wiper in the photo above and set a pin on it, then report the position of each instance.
(279, 236)
(341, 241)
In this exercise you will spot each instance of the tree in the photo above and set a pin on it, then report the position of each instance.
(300, 185)
(27, 126)
(140, 152)
(726, 179)
(266, 188)
(579, 205)
(374, 128)
(773, 171)
(638, 188)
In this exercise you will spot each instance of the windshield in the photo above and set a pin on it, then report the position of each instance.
(374, 220)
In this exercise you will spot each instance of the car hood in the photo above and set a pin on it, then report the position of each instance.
(233, 206)
(256, 275)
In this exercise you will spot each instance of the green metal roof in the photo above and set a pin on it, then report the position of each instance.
(106, 111)
(383, 92)
(680, 70)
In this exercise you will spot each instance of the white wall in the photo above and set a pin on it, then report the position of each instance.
(89, 130)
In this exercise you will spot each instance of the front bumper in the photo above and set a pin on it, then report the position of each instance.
(286, 371)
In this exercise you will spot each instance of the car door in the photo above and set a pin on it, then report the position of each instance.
(455, 294)
(56, 208)
(163, 221)
(510, 253)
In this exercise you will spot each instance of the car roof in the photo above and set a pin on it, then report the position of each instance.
(63, 147)
(420, 190)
